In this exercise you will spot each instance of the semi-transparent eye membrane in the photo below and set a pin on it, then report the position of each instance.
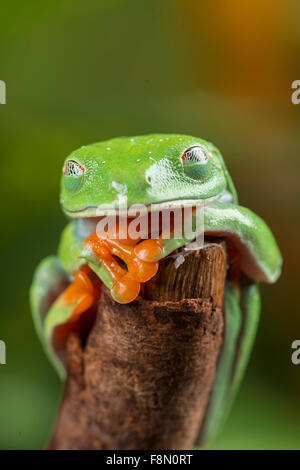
(195, 154)
(73, 168)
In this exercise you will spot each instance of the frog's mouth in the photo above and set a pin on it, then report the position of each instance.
(99, 211)
(113, 209)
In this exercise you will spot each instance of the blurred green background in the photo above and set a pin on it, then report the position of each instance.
(83, 71)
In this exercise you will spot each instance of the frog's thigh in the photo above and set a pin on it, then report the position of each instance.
(71, 311)
(241, 310)
(49, 281)
(219, 394)
(260, 256)
(250, 306)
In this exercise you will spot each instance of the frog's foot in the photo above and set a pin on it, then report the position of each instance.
(126, 270)
(75, 303)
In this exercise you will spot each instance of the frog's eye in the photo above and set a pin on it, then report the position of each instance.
(73, 175)
(195, 154)
(196, 162)
(73, 168)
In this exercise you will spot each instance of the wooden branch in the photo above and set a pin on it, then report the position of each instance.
(143, 379)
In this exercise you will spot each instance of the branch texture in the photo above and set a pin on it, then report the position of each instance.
(143, 378)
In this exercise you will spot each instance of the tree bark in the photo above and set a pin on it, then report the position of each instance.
(144, 376)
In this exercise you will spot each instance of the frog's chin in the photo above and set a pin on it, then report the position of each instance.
(102, 210)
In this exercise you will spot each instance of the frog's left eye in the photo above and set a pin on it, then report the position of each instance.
(73, 175)
(195, 161)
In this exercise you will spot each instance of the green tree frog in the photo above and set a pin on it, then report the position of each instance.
(168, 170)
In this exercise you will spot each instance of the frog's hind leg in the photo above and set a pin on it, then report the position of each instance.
(49, 281)
(250, 306)
(73, 310)
(217, 402)
(57, 311)
(241, 310)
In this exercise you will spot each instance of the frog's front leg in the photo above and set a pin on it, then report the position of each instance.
(259, 254)
(123, 281)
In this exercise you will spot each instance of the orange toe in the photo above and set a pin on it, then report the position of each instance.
(148, 250)
(125, 289)
(139, 260)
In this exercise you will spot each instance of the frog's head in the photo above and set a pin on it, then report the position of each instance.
(158, 168)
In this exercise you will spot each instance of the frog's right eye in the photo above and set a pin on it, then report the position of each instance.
(196, 162)
(73, 175)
